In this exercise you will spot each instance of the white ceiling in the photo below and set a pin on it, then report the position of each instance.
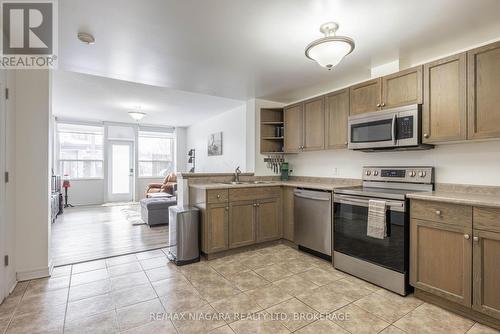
(255, 48)
(82, 96)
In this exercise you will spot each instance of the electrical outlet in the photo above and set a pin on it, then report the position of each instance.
(335, 171)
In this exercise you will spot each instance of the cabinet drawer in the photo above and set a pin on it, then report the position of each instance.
(217, 196)
(487, 219)
(253, 193)
(442, 212)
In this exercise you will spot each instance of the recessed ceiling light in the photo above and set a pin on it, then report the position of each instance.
(86, 38)
(328, 51)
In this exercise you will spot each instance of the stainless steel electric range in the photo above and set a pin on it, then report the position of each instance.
(384, 262)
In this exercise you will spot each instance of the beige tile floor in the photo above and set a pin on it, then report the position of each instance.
(272, 290)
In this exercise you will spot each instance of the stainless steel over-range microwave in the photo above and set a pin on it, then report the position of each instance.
(398, 128)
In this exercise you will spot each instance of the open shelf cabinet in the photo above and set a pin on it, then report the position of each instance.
(271, 131)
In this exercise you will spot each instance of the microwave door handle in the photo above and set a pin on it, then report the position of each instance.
(393, 130)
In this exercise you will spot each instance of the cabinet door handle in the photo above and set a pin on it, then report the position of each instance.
(382, 105)
(438, 212)
(476, 239)
(466, 236)
(227, 208)
(378, 105)
(254, 205)
(218, 196)
(426, 135)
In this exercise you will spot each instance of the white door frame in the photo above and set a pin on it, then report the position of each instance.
(3, 164)
(120, 197)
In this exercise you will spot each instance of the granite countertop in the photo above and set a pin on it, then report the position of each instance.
(296, 184)
(473, 199)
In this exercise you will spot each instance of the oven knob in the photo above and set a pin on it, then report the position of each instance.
(413, 173)
(375, 173)
(422, 174)
(368, 173)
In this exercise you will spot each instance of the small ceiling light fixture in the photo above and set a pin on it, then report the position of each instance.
(137, 115)
(86, 38)
(328, 51)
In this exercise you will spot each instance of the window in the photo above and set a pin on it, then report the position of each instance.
(156, 153)
(80, 150)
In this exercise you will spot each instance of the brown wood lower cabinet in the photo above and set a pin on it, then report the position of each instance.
(241, 223)
(457, 259)
(486, 277)
(268, 215)
(288, 225)
(441, 259)
(237, 217)
(217, 221)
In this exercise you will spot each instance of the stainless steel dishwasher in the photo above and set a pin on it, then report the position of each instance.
(313, 221)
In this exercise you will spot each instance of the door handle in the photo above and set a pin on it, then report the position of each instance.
(313, 198)
(394, 129)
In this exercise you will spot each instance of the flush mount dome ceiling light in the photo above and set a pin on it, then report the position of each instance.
(137, 115)
(331, 49)
(86, 38)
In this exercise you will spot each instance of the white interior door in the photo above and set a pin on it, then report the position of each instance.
(3, 143)
(120, 171)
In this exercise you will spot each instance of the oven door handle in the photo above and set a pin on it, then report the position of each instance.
(396, 206)
(393, 129)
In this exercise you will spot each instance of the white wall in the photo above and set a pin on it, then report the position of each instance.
(232, 124)
(180, 149)
(86, 192)
(32, 161)
(465, 163)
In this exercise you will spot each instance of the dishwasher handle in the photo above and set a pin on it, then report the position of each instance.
(312, 198)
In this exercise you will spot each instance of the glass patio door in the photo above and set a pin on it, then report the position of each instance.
(121, 171)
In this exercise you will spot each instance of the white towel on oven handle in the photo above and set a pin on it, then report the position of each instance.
(377, 225)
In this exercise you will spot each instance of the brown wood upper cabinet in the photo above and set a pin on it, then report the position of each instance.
(365, 97)
(314, 124)
(445, 110)
(304, 126)
(336, 117)
(294, 118)
(394, 90)
(402, 88)
(483, 79)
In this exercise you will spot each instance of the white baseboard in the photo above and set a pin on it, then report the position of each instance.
(12, 286)
(35, 273)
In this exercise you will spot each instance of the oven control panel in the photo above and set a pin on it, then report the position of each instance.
(414, 174)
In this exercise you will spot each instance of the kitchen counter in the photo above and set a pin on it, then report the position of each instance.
(295, 184)
(458, 198)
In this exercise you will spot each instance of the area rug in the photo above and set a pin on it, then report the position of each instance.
(133, 214)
